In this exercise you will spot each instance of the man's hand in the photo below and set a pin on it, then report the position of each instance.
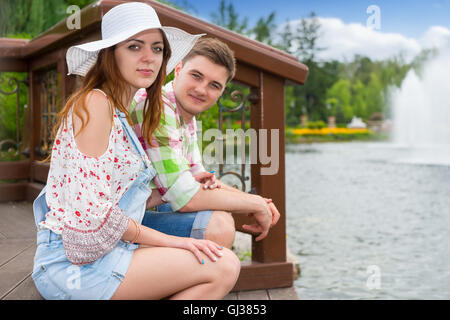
(274, 210)
(263, 219)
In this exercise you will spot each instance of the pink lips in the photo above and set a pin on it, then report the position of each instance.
(146, 72)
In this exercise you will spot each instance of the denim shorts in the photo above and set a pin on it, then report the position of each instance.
(57, 279)
(181, 224)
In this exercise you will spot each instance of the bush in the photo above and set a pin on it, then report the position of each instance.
(316, 125)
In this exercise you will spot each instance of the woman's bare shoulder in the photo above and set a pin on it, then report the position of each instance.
(93, 139)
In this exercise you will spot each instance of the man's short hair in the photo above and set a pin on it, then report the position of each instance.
(216, 51)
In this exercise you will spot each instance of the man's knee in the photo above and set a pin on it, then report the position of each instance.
(221, 228)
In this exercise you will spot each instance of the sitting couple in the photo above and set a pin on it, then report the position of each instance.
(126, 143)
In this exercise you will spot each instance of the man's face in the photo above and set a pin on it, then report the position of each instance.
(198, 84)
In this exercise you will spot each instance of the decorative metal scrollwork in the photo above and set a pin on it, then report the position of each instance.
(48, 87)
(242, 101)
(15, 83)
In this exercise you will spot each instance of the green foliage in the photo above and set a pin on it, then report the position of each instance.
(341, 93)
(228, 18)
(33, 17)
(316, 124)
(263, 30)
(183, 6)
(244, 255)
(8, 105)
(210, 117)
(305, 39)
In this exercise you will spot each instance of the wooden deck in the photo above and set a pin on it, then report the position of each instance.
(18, 246)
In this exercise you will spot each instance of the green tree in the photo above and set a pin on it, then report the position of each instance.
(301, 40)
(342, 94)
(264, 28)
(228, 18)
(375, 96)
(359, 101)
(305, 39)
(285, 38)
(33, 17)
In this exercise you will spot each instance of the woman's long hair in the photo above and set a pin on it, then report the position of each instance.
(105, 75)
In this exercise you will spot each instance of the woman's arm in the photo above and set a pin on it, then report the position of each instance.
(151, 237)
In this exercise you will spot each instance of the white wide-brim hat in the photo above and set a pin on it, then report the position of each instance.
(119, 24)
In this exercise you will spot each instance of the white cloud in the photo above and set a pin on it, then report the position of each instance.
(342, 41)
(436, 36)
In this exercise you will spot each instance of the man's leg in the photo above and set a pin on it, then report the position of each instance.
(221, 229)
(217, 226)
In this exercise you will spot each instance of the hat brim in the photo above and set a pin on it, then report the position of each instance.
(82, 57)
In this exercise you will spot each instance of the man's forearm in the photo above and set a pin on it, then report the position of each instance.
(225, 200)
(227, 187)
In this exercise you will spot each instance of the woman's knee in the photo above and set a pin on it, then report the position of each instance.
(228, 267)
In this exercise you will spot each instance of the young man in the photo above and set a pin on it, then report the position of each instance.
(197, 204)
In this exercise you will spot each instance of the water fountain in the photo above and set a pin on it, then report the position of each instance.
(421, 112)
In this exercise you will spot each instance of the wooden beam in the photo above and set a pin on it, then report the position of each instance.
(13, 191)
(268, 115)
(13, 65)
(265, 276)
(12, 48)
(11, 170)
(40, 171)
(246, 74)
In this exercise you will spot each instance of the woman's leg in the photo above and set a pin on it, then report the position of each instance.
(158, 272)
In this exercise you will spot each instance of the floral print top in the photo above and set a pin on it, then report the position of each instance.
(82, 191)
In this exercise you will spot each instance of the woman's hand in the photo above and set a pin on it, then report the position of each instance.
(208, 179)
(154, 200)
(196, 246)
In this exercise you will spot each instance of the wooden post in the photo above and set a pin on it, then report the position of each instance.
(269, 268)
(269, 114)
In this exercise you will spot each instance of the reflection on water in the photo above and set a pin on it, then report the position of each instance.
(353, 208)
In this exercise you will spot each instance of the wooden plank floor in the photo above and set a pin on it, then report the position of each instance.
(18, 246)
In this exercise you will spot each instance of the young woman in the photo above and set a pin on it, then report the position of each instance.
(89, 215)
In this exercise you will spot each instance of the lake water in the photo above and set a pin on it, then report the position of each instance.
(368, 222)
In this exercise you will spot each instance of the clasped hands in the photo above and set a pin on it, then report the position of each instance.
(265, 219)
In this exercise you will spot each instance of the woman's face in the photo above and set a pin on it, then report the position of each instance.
(139, 58)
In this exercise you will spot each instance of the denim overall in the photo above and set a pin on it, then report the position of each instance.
(56, 278)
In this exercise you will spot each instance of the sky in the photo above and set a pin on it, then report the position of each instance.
(347, 27)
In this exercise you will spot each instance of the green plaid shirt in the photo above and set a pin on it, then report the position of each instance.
(176, 156)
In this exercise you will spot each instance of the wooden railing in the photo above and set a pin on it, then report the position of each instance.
(263, 69)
